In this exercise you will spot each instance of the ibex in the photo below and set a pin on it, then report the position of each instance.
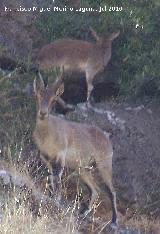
(73, 145)
(78, 55)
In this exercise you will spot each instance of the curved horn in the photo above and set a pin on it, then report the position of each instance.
(57, 83)
(41, 78)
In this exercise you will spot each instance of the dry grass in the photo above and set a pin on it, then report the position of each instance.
(145, 224)
(25, 208)
(16, 216)
(21, 221)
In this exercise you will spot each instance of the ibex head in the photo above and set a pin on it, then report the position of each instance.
(47, 95)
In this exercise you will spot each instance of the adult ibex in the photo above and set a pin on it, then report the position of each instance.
(75, 145)
(78, 55)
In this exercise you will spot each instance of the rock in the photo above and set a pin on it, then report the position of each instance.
(18, 37)
(136, 150)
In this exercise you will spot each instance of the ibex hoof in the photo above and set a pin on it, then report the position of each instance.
(113, 226)
(82, 106)
(89, 105)
(69, 107)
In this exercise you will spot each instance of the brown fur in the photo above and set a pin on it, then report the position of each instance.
(73, 144)
(78, 55)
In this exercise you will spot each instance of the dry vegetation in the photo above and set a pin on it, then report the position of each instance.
(20, 220)
(26, 207)
(22, 211)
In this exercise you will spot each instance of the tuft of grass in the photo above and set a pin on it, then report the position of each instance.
(25, 206)
(145, 224)
(21, 220)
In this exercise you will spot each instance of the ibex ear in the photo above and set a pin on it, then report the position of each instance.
(38, 84)
(114, 35)
(60, 90)
(94, 34)
(34, 86)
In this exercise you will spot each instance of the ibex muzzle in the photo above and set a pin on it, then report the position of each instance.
(73, 144)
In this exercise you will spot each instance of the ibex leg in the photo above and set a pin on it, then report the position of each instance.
(107, 178)
(87, 177)
(49, 166)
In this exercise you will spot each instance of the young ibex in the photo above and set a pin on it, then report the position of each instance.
(78, 55)
(75, 145)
